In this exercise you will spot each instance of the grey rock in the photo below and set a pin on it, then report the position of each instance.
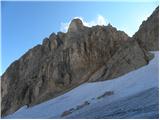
(75, 25)
(53, 41)
(107, 93)
(148, 33)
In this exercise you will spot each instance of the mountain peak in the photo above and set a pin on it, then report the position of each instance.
(75, 25)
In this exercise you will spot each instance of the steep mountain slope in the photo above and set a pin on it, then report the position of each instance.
(148, 33)
(66, 60)
(134, 95)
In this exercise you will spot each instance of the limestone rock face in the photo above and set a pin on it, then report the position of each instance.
(65, 60)
(75, 25)
(148, 33)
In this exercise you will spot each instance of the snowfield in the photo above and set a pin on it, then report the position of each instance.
(134, 95)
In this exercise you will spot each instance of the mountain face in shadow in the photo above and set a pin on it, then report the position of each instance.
(148, 33)
(66, 60)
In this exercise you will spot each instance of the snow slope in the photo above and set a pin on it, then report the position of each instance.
(130, 84)
(143, 105)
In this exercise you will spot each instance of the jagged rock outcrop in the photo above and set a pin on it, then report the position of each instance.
(76, 26)
(148, 33)
(65, 60)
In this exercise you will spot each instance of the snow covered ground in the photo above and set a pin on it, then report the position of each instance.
(141, 105)
(142, 82)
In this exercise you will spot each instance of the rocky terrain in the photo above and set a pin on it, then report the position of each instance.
(148, 33)
(66, 60)
(133, 95)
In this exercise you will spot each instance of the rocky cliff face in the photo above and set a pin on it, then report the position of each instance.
(65, 60)
(148, 33)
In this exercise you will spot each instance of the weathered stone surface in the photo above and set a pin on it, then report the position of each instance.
(66, 60)
(76, 25)
(148, 33)
(53, 41)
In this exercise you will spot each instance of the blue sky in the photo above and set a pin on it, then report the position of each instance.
(25, 24)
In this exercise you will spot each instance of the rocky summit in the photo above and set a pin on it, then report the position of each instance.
(66, 60)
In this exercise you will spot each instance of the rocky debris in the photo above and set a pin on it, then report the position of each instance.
(82, 105)
(66, 60)
(148, 33)
(67, 112)
(107, 93)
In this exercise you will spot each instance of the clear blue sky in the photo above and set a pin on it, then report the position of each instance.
(25, 24)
